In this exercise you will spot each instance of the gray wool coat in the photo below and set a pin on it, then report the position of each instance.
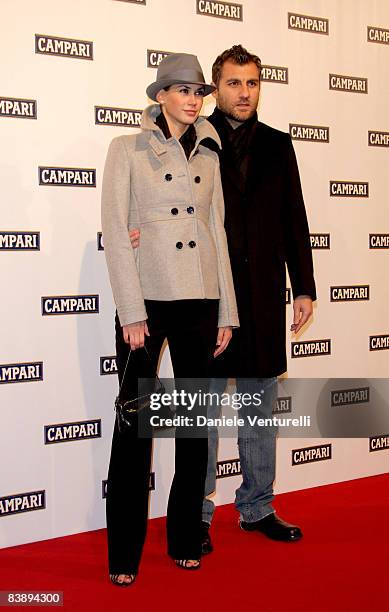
(178, 205)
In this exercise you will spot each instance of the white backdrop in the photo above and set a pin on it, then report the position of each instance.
(64, 480)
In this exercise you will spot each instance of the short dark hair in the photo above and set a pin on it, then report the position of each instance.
(236, 54)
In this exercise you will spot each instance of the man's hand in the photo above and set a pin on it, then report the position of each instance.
(134, 334)
(134, 238)
(224, 336)
(302, 309)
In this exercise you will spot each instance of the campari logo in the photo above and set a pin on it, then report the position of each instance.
(18, 108)
(283, 405)
(100, 241)
(349, 293)
(20, 241)
(311, 348)
(320, 241)
(22, 502)
(275, 74)
(229, 467)
(378, 443)
(69, 432)
(67, 177)
(347, 397)
(310, 133)
(341, 82)
(377, 35)
(378, 139)
(108, 365)
(307, 23)
(311, 454)
(378, 241)
(64, 47)
(133, 1)
(155, 57)
(124, 117)
(223, 10)
(379, 343)
(349, 189)
(69, 304)
(21, 372)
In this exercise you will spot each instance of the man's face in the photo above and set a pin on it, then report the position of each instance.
(237, 93)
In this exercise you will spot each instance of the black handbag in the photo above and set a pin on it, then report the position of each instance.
(127, 411)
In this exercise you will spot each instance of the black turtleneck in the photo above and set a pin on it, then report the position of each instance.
(187, 140)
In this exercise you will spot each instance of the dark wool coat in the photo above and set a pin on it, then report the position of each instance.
(266, 227)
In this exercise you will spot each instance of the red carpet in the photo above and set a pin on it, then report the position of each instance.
(341, 563)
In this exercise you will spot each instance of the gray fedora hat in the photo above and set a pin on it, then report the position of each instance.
(178, 68)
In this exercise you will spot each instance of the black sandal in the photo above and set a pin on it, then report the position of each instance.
(115, 579)
(183, 564)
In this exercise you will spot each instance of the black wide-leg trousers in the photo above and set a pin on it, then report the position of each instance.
(190, 327)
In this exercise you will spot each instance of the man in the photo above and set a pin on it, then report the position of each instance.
(266, 227)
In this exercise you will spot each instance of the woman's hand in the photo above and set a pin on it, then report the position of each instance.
(134, 334)
(224, 336)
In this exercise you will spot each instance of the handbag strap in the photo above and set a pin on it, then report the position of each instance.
(127, 362)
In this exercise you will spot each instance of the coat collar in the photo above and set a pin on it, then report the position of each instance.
(158, 141)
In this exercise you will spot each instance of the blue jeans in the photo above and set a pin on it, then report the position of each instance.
(257, 452)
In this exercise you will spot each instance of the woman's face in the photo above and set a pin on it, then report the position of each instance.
(182, 103)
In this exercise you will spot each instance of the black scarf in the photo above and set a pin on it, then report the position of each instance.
(187, 140)
(235, 142)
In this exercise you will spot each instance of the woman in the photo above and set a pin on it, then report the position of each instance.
(178, 285)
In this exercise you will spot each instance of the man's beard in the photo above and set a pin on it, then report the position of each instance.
(234, 116)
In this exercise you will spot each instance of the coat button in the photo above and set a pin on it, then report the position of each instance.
(168, 177)
(179, 245)
(197, 179)
(192, 244)
(174, 211)
(190, 210)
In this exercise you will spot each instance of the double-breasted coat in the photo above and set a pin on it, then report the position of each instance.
(178, 205)
(266, 226)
